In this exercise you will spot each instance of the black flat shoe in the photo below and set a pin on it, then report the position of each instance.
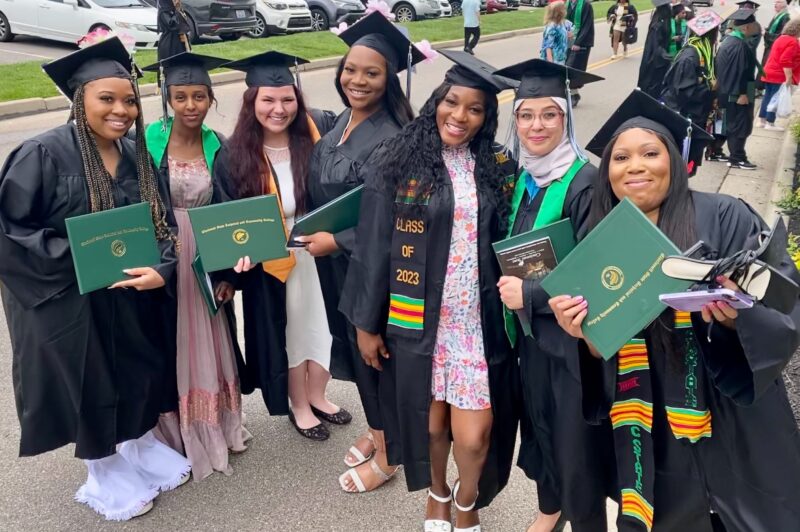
(342, 417)
(316, 433)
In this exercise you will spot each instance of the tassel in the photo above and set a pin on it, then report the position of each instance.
(687, 143)
(297, 75)
(571, 126)
(161, 82)
(408, 71)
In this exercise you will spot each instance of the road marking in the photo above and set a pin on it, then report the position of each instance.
(3, 50)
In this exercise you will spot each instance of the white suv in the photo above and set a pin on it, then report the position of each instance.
(410, 10)
(278, 17)
(69, 20)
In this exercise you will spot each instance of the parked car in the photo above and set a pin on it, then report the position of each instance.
(327, 13)
(456, 6)
(708, 3)
(493, 6)
(534, 3)
(410, 10)
(447, 10)
(227, 19)
(278, 17)
(513, 5)
(69, 20)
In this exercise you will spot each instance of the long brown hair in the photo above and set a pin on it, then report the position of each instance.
(247, 162)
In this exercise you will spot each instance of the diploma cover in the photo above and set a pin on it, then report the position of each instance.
(333, 217)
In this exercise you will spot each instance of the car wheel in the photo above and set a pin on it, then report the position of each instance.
(261, 28)
(319, 20)
(457, 12)
(405, 13)
(230, 36)
(5, 29)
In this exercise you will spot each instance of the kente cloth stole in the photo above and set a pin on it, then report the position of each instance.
(550, 211)
(632, 416)
(577, 16)
(281, 268)
(408, 253)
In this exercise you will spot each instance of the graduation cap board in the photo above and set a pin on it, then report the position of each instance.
(186, 68)
(659, 3)
(543, 79)
(269, 69)
(106, 59)
(704, 22)
(747, 4)
(742, 16)
(392, 42)
(471, 72)
(639, 110)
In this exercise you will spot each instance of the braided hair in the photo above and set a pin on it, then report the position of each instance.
(98, 179)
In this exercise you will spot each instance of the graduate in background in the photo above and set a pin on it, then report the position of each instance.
(421, 291)
(735, 66)
(677, 29)
(568, 459)
(702, 421)
(656, 58)
(775, 27)
(174, 29)
(88, 369)
(185, 150)
(581, 14)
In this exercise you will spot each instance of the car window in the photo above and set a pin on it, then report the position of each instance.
(118, 3)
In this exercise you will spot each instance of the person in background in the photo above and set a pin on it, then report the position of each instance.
(677, 29)
(655, 57)
(555, 38)
(621, 16)
(782, 68)
(581, 14)
(775, 27)
(471, 10)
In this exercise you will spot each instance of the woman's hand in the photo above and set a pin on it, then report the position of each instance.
(371, 346)
(244, 265)
(719, 310)
(319, 244)
(511, 292)
(224, 292)
(141, 279)
(570, 312)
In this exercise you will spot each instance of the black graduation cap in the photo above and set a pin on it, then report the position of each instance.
(677, 9)
(659, 3)
(742, 16)
(639, 110)
(187, 68)
(106, 59)
(389, 40)
(748, 3)
(543, 79)
(469, 71)
(269, 69)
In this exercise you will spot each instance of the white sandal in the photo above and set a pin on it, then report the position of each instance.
(353, 450)
(476, 528)
(360, 484)
(439, 525)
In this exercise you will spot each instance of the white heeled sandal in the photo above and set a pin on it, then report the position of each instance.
(439, 525)
(476, 528)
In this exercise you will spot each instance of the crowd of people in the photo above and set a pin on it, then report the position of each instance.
(410, 305)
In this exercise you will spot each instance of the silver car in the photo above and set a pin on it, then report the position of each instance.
(409, 10)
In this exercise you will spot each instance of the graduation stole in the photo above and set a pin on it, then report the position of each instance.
(550, 211)
(408, 254)
(777, 21)
(673, 46)
(281, 268)
(577, 15)
(632, 416)
(706, 53)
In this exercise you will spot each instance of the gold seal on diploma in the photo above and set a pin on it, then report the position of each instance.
(240, 236)
(612, 277)
(118, 248)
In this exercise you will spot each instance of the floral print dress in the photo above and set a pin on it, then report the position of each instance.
(460, 372)
(555, 37)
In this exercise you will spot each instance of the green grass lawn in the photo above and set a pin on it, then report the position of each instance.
(26, 80)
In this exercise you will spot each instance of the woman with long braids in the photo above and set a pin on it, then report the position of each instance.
(88, 369)
(184, 149)
(377, 109)
(701, 419)
(286, 329)
(421, 292)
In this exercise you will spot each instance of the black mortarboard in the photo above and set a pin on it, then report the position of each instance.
(389, 40)
(270, 69)
(469, 71)
(744, 3)
(639, 110)
(677, 9)
(543, 79)
(742, 16)
(187, 68)
(659, 3)
(106, 59)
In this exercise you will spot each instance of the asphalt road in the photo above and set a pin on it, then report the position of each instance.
(285, 482)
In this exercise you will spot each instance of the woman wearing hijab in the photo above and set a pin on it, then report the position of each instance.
(209, 398)
(568, 459)
(700, 414)
(88, 369)
(377, 109)
(428, 316)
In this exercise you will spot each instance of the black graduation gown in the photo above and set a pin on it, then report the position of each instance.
(748, 471)
(405, 382)
(655, 58)
(334, 170)
(171, 24)
(571, 461)
(735, 66)
(86, 369)
(585, 38)
(771, 37)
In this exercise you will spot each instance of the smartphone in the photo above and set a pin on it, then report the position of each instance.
(695, 300)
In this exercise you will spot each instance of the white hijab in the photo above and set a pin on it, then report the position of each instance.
(545, 169)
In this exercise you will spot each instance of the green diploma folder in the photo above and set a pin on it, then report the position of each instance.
(226, 232)
(107, 242)
(333, 217)
(617, 268)
(205, 285)
(534, 254)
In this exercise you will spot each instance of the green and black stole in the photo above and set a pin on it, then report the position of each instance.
(772, 31)
(550, 211)
(575, 16)
(673, 46)
(632, 415)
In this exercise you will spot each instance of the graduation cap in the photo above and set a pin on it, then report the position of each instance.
(186, 68)
(639, 110)
(269, 69)
(389, 40)
(742, 16)
(106, 59)
(704, 22)
(471, 72)
(677, 9)
(748, 4)
(659, 3)
(543, 79)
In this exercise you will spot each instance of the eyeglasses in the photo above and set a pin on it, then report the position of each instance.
(548, 119)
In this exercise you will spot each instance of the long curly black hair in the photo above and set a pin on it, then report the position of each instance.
(416, 153)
